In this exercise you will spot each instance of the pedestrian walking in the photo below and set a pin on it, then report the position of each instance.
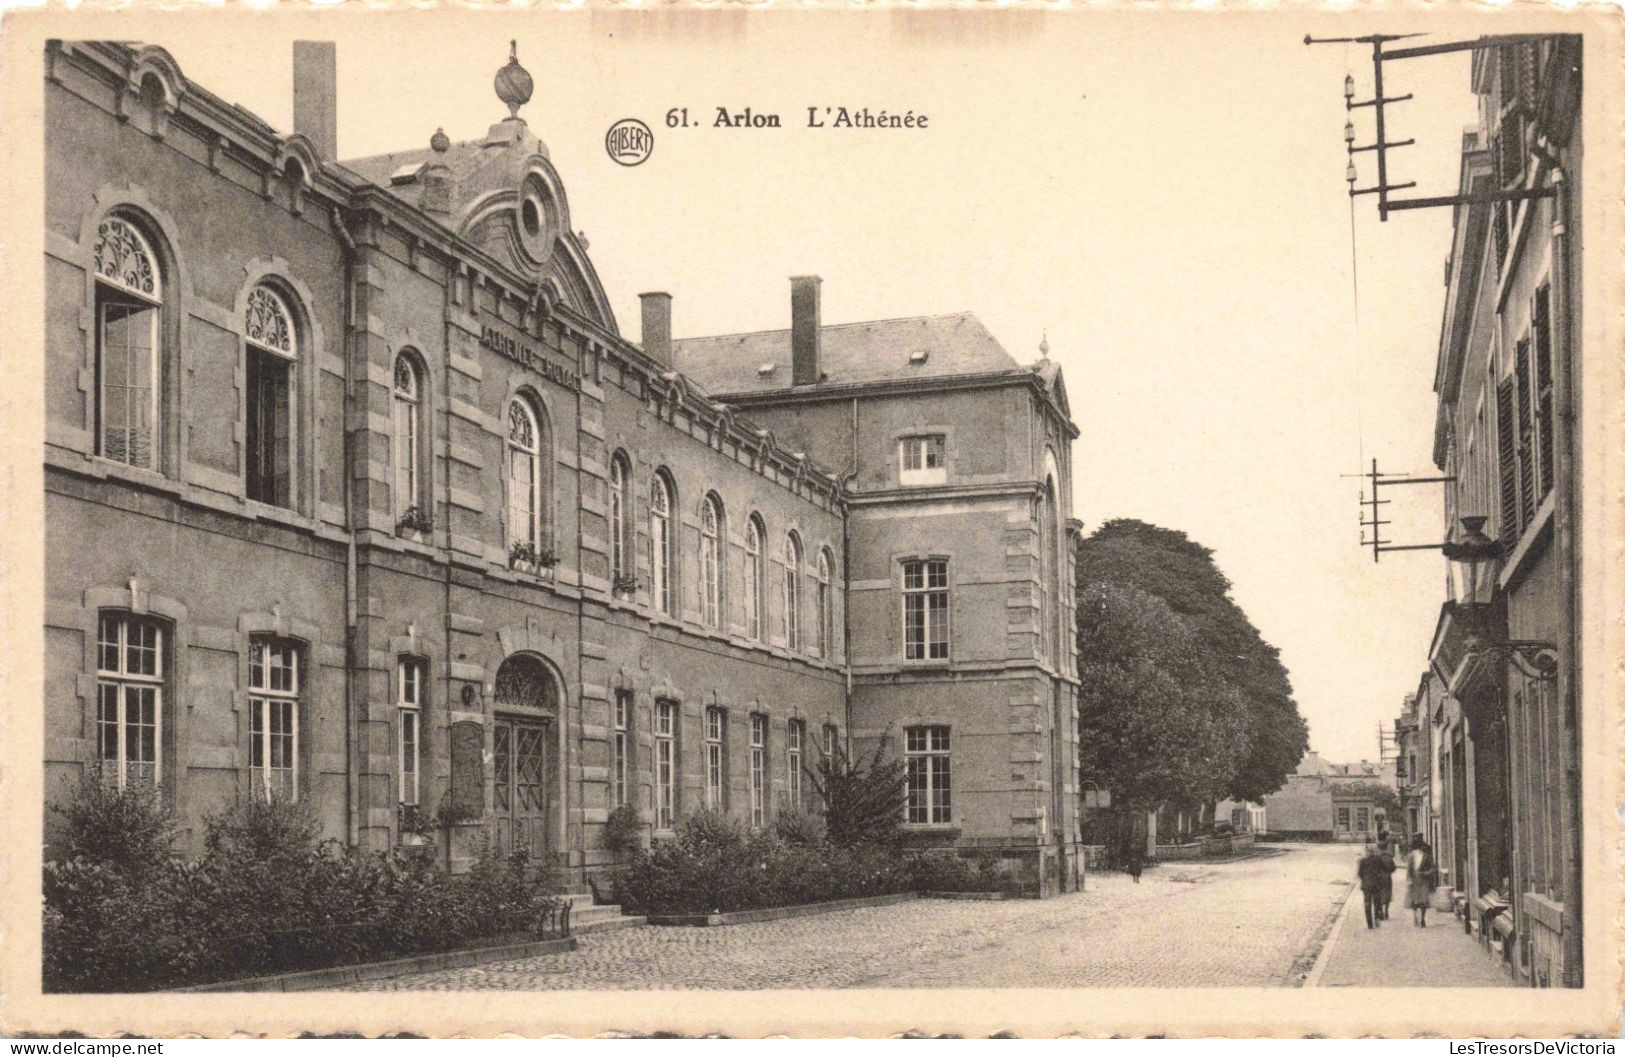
(1388, 866)
(1370, 873)
(1135, 861)
(1421, 875)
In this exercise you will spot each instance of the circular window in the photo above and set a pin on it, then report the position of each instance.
(530, 214)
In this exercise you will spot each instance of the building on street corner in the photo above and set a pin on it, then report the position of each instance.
(1502, 703)
(357, 494)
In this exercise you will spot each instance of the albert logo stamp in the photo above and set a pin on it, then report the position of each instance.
(629, 142)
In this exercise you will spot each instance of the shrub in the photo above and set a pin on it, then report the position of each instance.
(714, 866)
(800, 827)
(623, 830)
(127, 829)
(863, 798)
(267, 896)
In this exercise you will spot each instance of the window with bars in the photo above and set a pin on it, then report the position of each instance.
(620, 476)
(922, 459)
(524, 451)
(795, 733)
(716, 758)
(272, 349)
(409, 684)
(792, 592)
(823, 609)
(925, 609)
(407, 403)
(754, 577)
(660, 564)
(711, 561)
(273, 705)
(930, 799)
(622, 763)
(129, 304)
(665, 764)
(758, 769)
(130, 699)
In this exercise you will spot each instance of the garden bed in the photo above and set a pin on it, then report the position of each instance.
(343, 975)
(745, 917)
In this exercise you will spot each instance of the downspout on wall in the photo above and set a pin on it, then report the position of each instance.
(351, 807)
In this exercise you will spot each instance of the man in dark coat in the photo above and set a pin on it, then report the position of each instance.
(1387, 887)
(1371, 874)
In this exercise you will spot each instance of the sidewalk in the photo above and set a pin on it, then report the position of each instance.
(1398, 954)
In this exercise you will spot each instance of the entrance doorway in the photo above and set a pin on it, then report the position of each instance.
(524, 758)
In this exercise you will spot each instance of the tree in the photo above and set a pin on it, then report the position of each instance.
(863, 798)
(1168, 565)
(1155, 725)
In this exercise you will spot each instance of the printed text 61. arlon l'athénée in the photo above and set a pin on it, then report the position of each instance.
(817, 117)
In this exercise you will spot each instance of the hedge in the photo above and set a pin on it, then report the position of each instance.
(125, 912)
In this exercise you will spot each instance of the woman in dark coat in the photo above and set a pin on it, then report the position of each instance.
(1387, 888)
(1421, 874)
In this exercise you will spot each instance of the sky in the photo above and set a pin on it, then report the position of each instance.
(1161, 193)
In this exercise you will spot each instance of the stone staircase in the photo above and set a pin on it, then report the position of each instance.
(586, 918)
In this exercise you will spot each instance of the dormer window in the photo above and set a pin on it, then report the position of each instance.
(922, 460)
(918, 357)
(406, 174)
(766, 370)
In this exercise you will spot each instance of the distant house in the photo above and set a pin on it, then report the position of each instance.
(1320, 802)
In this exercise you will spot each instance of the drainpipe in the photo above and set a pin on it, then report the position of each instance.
(1565, 511)
(845, 482)
(351, 808)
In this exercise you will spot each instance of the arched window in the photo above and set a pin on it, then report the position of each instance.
(129, 303)
(711, 561)
(792, 592)
(620, 478)
(524, 480)
(824, 609)
(660, 565)
(273, 347)
(408, 414)
(754, 578)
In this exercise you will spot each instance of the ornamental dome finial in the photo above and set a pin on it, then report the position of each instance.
(440, 143)
(513, 83)
(1043, 345)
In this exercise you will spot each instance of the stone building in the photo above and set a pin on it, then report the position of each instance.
(1324, 801)
(356, 494)
(1510, 404)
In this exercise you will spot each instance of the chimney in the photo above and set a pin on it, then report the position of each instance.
(657, 327)
(805, 332)
(315, 95)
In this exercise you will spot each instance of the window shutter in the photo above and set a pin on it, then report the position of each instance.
(1506, 463)
(1543, 385)
(1526, 453)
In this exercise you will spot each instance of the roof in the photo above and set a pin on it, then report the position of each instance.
(851, 353)
(462, 159)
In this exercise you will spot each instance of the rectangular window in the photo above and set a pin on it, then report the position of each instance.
(1343, 818)
(1542, 395)
(409, 710)
(273, 684)
(1362, 819)
(758, 769)
(665, 764)
(922, 460)
(716, 759)
(925, 610)
(792, 759)
(129, 678)
(269, 429)
(830, 739)
(623, 746)
(926, 753)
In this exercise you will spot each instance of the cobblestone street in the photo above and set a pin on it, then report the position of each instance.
(1253, 922)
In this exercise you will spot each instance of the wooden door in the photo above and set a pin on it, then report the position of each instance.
(520, 785)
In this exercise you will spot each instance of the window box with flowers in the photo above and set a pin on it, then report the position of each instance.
(415, 523)
(527, 557)
(624, 586)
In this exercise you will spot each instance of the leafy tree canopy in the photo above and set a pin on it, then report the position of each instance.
(1224, 646)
